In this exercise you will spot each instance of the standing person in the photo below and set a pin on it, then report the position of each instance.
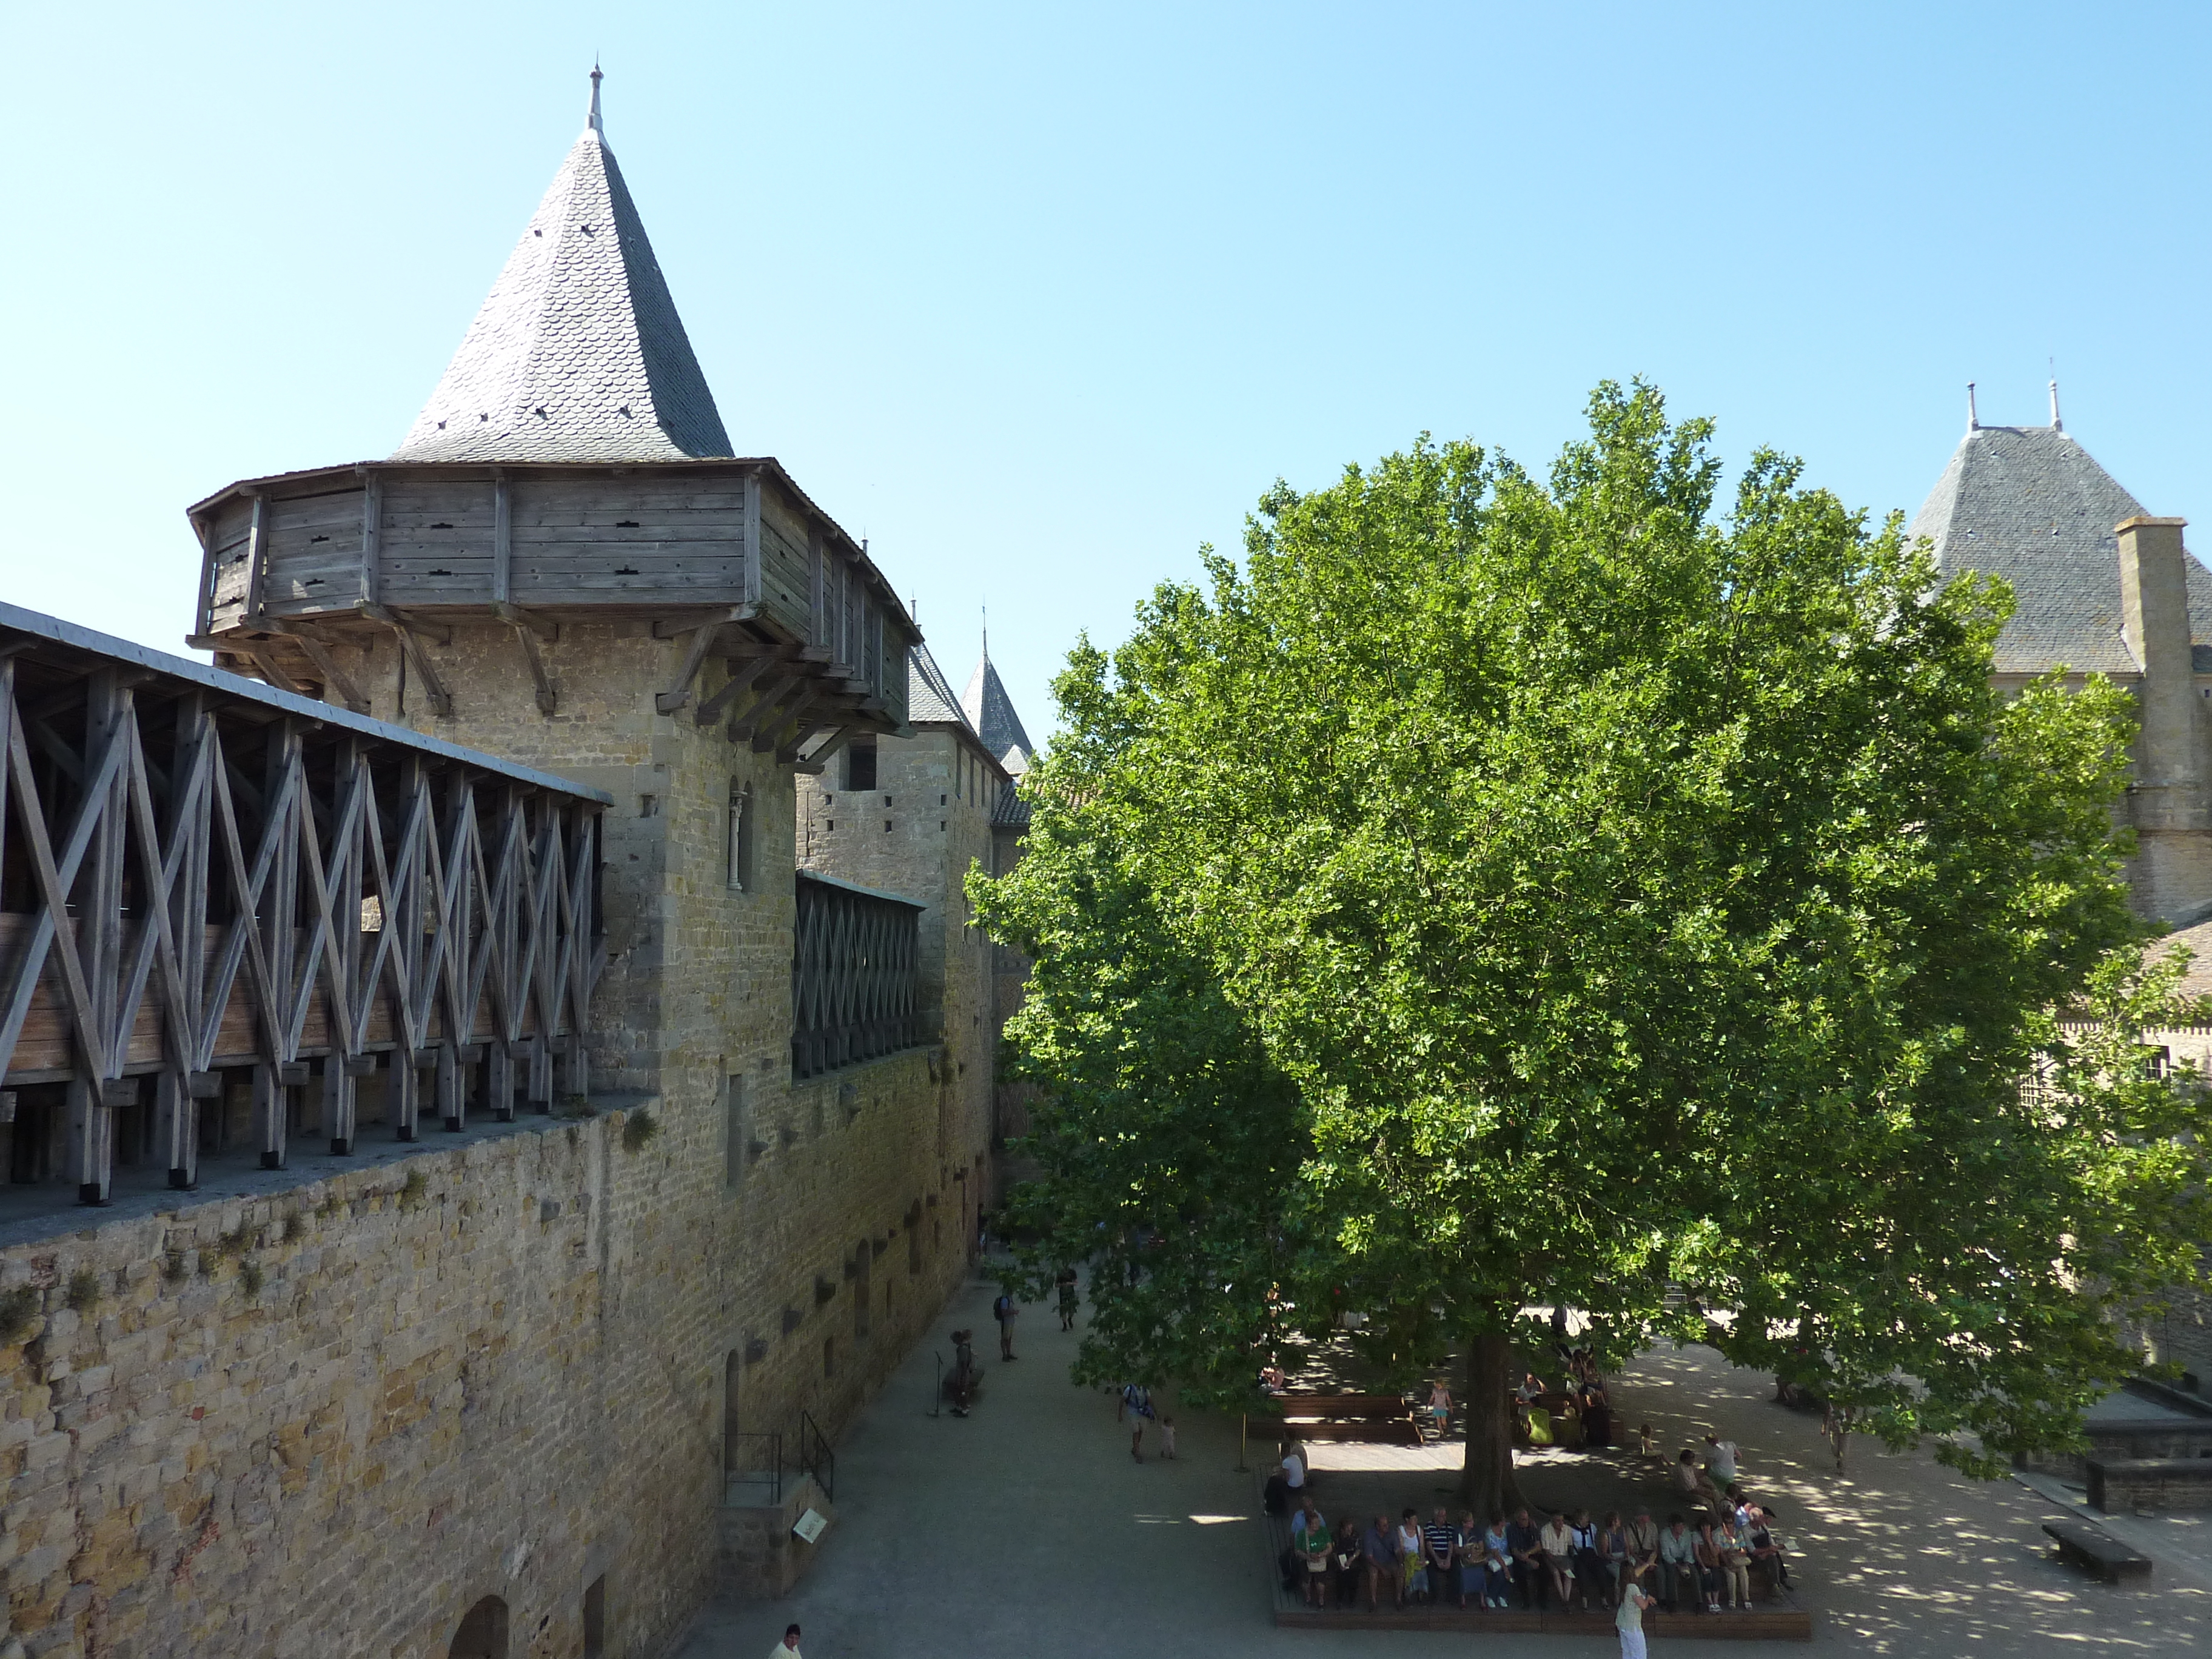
(787, 1648)
(1721, 1457)
(1294, 1470)
(1064, 1279)
(1167, 1436)
(1006, 1313)
(1378, 1550)
(964, 1371)
(1629, 1622)
(1440, 1554)
(1597, 1413)
(1439, 1409)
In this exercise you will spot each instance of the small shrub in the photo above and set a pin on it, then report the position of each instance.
(236, 1242)
(83, 1291)
(18, 1308)
(414, 1190)
(295, 1228)
(172, 1267)
(637, 1129)
(250, 1276)
(575, 1106)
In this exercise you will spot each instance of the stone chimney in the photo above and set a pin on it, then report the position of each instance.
(2174, 869)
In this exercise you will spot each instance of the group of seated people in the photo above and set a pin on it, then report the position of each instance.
(1579, 1413)
(1569, 1561)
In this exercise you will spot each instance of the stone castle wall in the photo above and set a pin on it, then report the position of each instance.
(515, 1375)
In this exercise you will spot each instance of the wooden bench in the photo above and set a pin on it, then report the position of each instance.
(1375, 1419)
(2098, 1550)
(2150, 1483)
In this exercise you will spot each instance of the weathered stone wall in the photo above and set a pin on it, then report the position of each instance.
(513, 1379)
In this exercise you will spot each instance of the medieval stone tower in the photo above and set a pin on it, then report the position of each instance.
(564, 564)
(2101, 587)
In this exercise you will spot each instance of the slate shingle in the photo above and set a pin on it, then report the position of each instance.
(577, 353)
(2029, 504)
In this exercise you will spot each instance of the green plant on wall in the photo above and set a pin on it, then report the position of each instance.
(18, 1308)
(637, 1129)
(83, 1291)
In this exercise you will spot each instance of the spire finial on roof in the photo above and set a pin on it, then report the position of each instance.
(1973, 420)
(593, 119)
(2056, 425)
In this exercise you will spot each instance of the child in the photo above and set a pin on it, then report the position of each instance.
(1167, 1436)
(1651, 1441)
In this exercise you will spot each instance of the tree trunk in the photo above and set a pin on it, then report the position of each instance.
(1486, 1483)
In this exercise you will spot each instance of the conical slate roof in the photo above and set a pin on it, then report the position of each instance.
(929, 700)
(2029, 504)
(578, 353)
(991, 712)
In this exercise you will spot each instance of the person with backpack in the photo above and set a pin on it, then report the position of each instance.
(1006, 1313)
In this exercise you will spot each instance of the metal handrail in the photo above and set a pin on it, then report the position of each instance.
(815, 1457)
(765, 1471)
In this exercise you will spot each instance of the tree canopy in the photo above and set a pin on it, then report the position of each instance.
(1502, 890)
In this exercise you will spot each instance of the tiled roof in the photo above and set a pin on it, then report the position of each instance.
(578, 353)
(929, 699)
(1010, 810)
(2198, 981)
(2029, 504)
(991, 712)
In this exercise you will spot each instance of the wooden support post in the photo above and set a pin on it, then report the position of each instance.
(410, 634)
(576, 1069)
(502, 538)
(747, 673)
(269, 1116)
(372, 537)
(527, 628)
(338, 1103)
(702, 641)
(256, 558)
(540, 1087)
(499, 1081)
(177, 1129)
(451, 1108)
(91, 1135)
(403, 1092)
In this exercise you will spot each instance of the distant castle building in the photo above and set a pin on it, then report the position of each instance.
(2101, 587)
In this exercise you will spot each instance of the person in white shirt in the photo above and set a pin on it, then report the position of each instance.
(787, 1648)
(1720, 1460)
(1294, 1469)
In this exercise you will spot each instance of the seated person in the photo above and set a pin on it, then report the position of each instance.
(1567, 1425)
(1679, 1579)
(1522, 1540)
(1766, 1559)
(1412, 1559)
(1597, 1414)
(1721, 1457)
(1612, 1551)
(1344, 1562)
(1495, 1552)
(1643, 1546)
(1589, 1567)
(1539, 1426)
(1314, 1541)
(1690, 1481)
(1440, 1555)
(1556, 1545)
(1378, 1550)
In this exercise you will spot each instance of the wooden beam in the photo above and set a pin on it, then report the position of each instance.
(372, 537)
(703, 635)
(265, 660)
(751, 670)
(437, 632)
(515, 616)
(502, 538)
(754, 483)
(326, 664)
(256, 555)
(674, 628)
(405, 631)
(743, 726)
(769, 737)
(541, 681)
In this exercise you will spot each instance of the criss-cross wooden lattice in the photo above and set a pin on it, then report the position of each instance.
(854, 969)
(199, 875)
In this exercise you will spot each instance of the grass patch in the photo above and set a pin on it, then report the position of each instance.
(250, 1276)
(414, 1192)
(83, 1291)
(172, 1267)
(575, 1106)
(295, 1228)
(18, 1308)
(638, 1128)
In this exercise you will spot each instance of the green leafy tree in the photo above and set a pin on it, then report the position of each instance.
(1503, 892)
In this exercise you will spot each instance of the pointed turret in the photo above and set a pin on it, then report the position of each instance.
(991, 712)
(578, 353)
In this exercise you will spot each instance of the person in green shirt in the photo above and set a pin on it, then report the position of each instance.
(1315, 1541)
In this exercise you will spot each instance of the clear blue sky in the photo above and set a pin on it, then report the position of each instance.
(1039, 299)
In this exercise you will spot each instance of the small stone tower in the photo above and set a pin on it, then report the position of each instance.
(2101, 587)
